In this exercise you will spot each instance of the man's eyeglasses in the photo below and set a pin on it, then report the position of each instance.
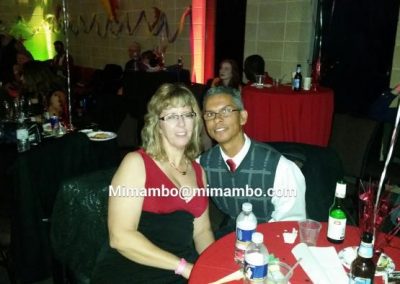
(173, 118)
(225, 112)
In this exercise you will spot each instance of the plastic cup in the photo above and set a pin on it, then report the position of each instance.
(309, 231)
(307, 83)
(260, 81)
(279, 273)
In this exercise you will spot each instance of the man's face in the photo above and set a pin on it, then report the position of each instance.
(59, 48)
(225, 129)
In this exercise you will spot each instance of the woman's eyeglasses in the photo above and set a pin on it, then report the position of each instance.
(174, 118)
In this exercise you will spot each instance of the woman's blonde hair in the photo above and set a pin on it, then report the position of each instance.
(169, 96)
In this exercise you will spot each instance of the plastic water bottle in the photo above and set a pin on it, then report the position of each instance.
(256, 260)
(23, 143)
(246, 224)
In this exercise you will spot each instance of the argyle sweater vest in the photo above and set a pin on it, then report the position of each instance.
(257, 170)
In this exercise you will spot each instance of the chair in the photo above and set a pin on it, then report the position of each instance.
(321, 168)
(79, 223)
(352, 138)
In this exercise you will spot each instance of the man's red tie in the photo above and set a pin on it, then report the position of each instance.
(231, 164)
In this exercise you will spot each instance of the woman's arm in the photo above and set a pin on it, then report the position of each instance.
(124, 216)
(202, 234)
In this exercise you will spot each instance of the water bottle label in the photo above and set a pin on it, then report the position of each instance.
(244, 235)
(22, 134)
(256, 272)
(359, 280)
(336, 228)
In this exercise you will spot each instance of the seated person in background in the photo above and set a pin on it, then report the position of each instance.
(156, 239)
(255, 65)
(134, 52)
(59, 63)
(257, 165)
(229, 75)
(150, 61)
(45, 90)
(14, 87)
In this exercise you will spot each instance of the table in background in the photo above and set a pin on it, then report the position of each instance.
(217, 260)
(279, 114)
(38, 174)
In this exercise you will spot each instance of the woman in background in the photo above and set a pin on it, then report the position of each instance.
(229, 75)
(42, 86)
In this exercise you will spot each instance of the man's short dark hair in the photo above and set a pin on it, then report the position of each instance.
(254, 65)
(58, 42)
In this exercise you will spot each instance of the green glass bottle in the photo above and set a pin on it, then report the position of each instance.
(337, 216)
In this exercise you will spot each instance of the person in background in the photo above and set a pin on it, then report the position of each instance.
(45, 90)
(8, 54)
(134, 52)
(14, 88)
(229, 75)
(156, 239)
(150, 62)
(255, 65)
(59, 63)
(239, 162)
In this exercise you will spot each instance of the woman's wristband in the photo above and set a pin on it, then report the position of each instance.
(181, 266)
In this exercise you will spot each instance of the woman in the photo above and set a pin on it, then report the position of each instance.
(156, 239)
(229, 75)
(42, 85)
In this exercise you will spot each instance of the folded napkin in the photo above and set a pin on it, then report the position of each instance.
(321, 264)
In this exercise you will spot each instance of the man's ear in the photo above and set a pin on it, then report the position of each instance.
(243, 117)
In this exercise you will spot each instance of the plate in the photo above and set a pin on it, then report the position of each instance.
(385, 263)
(101, 135)
(261, 86)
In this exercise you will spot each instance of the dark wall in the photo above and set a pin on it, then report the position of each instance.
(230, 31)
(358, 39)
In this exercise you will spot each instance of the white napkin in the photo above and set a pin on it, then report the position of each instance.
(321, 264)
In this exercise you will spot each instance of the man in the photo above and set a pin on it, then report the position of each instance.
(60, 64)
(257, 165)
(134, 52)
(255, 65)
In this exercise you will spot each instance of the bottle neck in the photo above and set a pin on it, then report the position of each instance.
(365, 250)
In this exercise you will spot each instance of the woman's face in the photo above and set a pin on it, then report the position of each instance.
(225, 71)
(177, 126)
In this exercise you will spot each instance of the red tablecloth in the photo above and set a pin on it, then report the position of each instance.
(278, 114)
(217, 260)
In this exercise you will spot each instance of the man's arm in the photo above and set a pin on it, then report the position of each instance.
(290, 182)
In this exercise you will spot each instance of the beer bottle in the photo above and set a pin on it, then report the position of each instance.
(362, 269)
(337, 216)
(298, 78)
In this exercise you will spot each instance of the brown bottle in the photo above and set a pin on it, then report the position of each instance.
(362, 269)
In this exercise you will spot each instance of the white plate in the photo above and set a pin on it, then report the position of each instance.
(385, 263)
(101, 135)
(261, 86)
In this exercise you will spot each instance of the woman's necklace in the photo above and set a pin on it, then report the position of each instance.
(178, 170)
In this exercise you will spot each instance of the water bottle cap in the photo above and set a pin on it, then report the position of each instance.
(257, 238)
(247, 207)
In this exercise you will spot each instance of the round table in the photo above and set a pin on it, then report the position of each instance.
(217, 260)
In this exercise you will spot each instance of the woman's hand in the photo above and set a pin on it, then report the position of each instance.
(188, 269)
